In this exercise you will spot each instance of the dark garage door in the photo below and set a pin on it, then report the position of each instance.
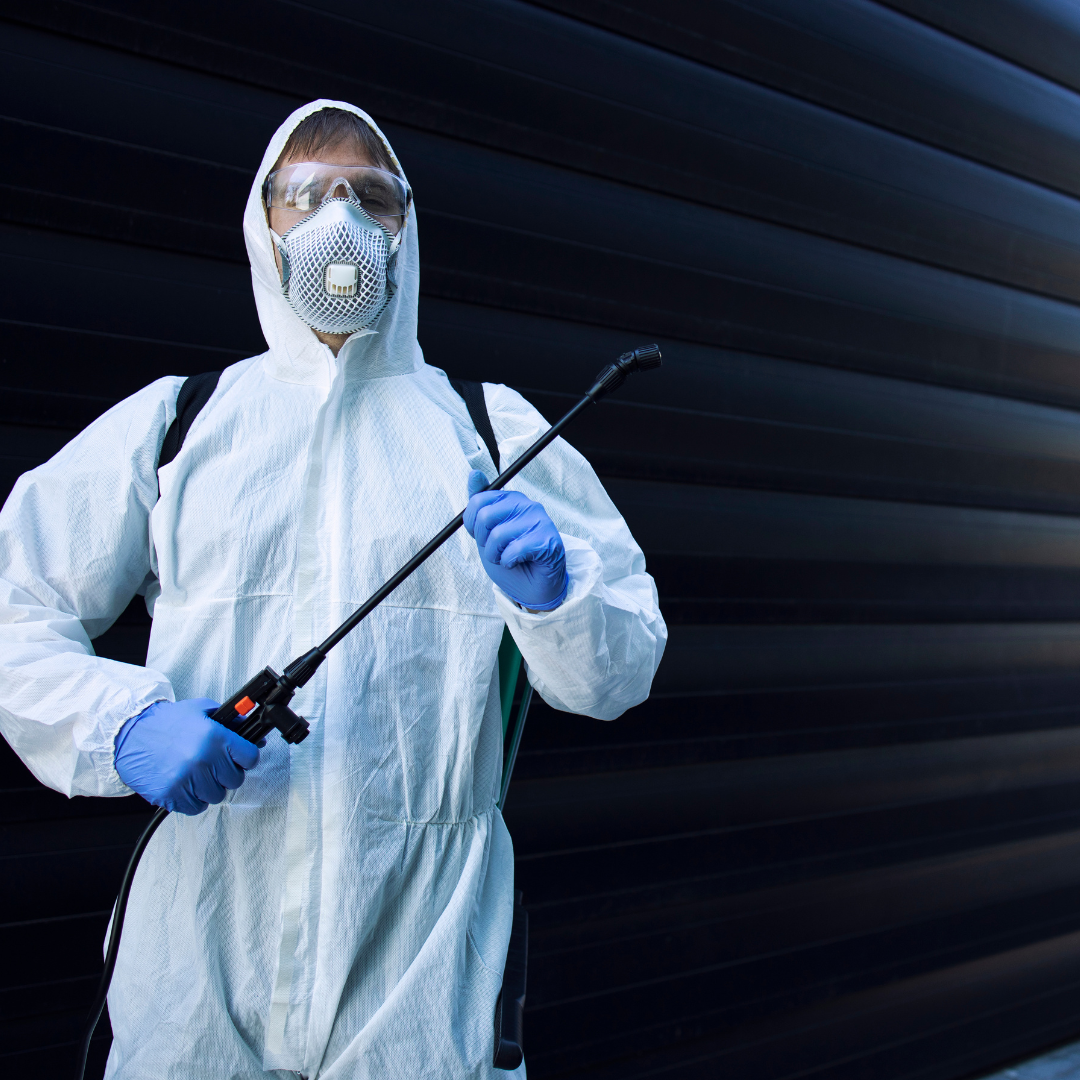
(843, 837)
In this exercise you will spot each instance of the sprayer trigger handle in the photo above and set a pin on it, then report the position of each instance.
(238, 710)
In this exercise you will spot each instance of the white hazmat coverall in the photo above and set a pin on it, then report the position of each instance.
(346, 911)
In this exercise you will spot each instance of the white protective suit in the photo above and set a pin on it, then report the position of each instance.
(346, 912)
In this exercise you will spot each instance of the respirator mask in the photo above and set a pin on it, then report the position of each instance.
(338, 260)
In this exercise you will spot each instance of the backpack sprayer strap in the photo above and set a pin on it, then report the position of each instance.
(195, 392)
(510, 1004)
(472, 393)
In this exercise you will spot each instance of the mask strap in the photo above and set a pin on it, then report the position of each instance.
(279, 243)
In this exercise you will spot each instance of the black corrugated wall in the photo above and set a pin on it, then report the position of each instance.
(843, 837)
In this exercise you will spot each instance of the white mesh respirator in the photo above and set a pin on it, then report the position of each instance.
(337, 263)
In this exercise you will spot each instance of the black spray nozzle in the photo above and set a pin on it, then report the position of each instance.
(644, 358)
(303, 667)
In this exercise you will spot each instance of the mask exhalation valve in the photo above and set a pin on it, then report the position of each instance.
(341, 279)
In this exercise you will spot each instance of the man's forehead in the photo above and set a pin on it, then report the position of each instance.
(346, 151)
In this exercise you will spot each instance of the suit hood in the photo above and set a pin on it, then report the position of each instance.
(389, 346)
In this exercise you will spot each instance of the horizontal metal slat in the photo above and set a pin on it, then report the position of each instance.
(53, 884)
(733, 523)
(668, 732)
(177, 204)
(702, 590)
(602, 878)
(831, 907)
(135, 101)
(1041, 37)
(127, 291)
(566, 812)
(715, 658)
(702, 448)
(939, 90)
(54, 948)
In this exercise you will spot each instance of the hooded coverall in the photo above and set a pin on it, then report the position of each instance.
(346, 911)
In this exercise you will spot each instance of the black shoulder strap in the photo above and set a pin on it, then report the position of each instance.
(472, 393)
(194, 394)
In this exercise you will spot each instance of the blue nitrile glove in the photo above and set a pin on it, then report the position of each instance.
(175, 756)
(520, 547)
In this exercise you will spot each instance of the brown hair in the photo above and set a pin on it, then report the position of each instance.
(332, 127)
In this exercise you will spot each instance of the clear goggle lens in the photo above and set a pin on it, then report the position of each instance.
(303, 186)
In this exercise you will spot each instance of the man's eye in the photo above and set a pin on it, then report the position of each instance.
(380, 200)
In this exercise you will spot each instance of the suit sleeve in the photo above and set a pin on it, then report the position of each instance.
(596, 653)
(74, 550)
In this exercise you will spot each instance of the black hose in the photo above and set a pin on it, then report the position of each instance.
(114, 938)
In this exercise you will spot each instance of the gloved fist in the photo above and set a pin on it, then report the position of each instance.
(175, 756)
(520, 547)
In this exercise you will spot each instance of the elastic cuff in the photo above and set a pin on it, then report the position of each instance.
(551, 606)
(107, 757)
(128, 724)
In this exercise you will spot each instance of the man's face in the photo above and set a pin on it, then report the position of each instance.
(344, 153)
(372, 193)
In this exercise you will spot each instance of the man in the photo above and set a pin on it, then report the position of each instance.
(342, 907)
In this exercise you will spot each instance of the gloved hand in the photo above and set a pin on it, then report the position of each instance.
(175, 756)
(520, 547)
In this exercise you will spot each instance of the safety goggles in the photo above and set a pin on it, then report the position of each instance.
(305, 185)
